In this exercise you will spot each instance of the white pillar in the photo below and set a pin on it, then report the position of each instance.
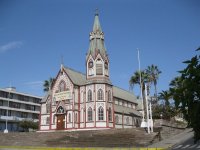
(147, 109)
(151, 120)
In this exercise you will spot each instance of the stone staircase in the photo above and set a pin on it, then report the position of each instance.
(135, 137)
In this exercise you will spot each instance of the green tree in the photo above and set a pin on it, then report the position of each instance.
(153, 74)
(168, 110)
(26, 125)
(135, 80)
(47, 84)
(186, 93)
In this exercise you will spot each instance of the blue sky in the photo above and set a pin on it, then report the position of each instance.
(34, 34)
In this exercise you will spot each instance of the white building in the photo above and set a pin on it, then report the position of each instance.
(79, 101)
(16, 106)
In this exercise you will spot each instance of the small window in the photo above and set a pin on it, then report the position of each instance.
(76, 118)
(106, 65)
(62, 86)
(116, 119)
(99, 69)
(100, 113)
(89, 114)
(54, 119)
(127, 120)
(60, 110)
(69, 118)
(90, 64)
(100, 94)
(89, 95)
(109, 114)
(48, 120)
(109, 96)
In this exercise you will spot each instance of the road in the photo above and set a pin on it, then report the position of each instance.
(188, 144)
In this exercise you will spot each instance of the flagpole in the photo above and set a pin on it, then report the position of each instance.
(141, 96)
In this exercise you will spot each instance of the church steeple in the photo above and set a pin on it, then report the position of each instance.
(97, 61)
(97, 39)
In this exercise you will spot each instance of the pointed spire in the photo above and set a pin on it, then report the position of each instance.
(97, 26)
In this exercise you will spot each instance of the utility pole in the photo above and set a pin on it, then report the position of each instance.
(141, 96)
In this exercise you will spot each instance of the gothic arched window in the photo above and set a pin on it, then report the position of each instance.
(69, 118)
(60, 110)
(116, 119)
(109, 114)
(109, 96)
(106, 65)
(89, 95)
(100, 94)
(90, 64)
(100, 113)
(89, 114)
(99, 67)
(62, 86)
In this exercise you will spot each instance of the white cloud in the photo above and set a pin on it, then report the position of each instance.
(34, 83)
(10, 46)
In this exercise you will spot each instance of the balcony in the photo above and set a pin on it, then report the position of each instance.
(14, 118)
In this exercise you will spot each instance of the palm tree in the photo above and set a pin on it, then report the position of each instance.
(47, 84)
(168, 110)
(135, 79)
(153, 75)
(166, 96)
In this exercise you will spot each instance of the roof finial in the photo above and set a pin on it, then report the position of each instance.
(96, 12)
(61, 63)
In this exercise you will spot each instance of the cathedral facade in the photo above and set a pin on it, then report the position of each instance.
(78, 101)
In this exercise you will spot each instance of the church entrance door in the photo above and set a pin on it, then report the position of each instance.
(60, 122)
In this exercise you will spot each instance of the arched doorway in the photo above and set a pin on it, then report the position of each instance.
(60, 118)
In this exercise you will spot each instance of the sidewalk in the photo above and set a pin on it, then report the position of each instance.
(168, 143)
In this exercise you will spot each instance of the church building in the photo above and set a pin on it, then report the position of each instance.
(89, 101)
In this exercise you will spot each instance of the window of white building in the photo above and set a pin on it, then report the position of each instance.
(69, 117)
(100, 113)
(89, 95)
(109, 96)
(127, 120)
(109, 114)
(89, 114)
(99, 67)
(100, 94)
(116, 119)
(48, 120)
(62, 86)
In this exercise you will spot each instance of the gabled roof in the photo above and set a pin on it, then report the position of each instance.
(77, 77)
(123, 94)
(128, 111)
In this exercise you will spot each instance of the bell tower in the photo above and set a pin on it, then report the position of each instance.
(97, 61)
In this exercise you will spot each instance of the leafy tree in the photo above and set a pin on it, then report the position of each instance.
(47, 84)
(153, 75)
(186, 93)
(167, 109)
(26, 125)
